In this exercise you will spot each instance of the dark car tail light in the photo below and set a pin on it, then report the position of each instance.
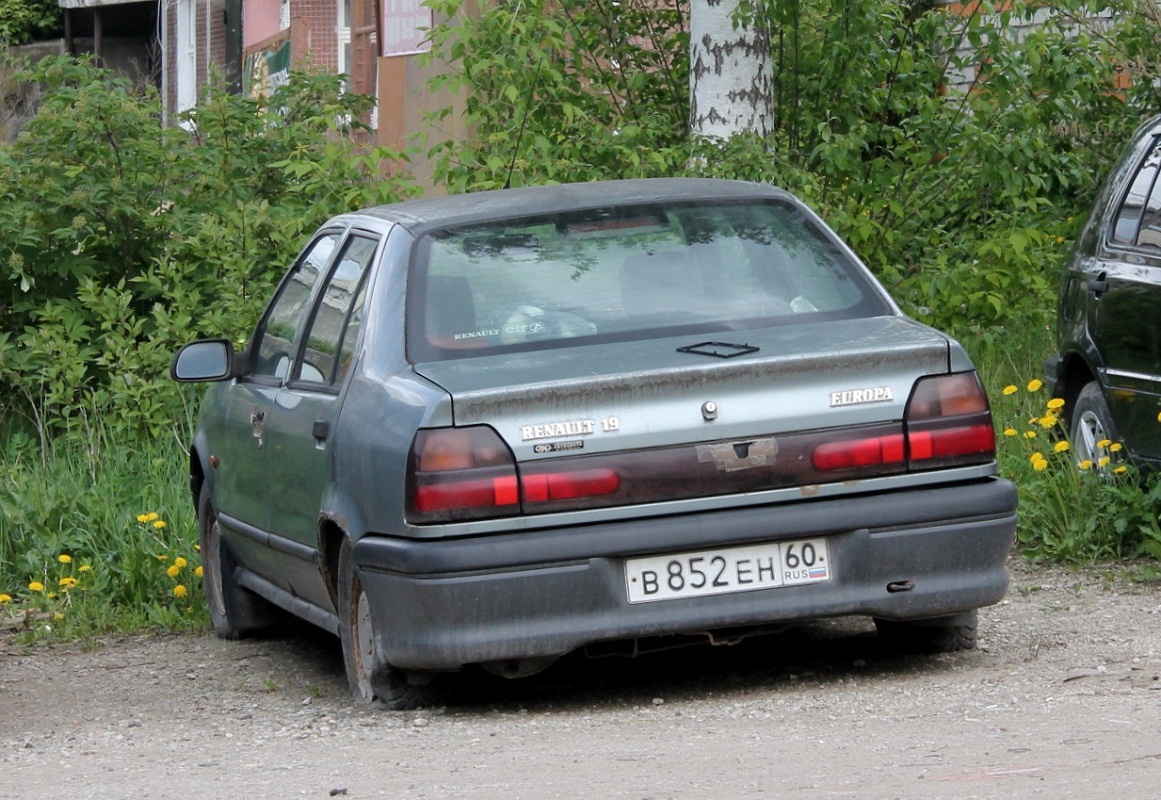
(461, 474)
(948, 422)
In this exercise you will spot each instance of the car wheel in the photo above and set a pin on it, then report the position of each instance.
(234, 611)
(370, 677)
(929, 636)
(1091, 424)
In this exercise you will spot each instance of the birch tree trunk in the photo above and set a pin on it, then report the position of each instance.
(731, 77)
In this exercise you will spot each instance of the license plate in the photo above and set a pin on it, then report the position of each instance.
(732, 569)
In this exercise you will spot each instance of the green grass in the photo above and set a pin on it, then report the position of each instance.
(96, 537)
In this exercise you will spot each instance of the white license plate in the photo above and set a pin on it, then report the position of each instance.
(732, 569)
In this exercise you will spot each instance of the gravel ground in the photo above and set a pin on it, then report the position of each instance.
(1062, 699)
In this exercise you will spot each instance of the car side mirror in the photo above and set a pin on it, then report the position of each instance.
(203, 360)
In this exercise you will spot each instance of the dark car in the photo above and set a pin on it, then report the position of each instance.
(496, 428)
(1107, 367)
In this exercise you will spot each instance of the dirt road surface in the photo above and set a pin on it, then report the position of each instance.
(1061, 700)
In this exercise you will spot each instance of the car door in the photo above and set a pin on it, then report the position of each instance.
(242, 490)
(1124, 285)
(305, 409)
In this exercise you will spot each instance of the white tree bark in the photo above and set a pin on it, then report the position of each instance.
(731, 74)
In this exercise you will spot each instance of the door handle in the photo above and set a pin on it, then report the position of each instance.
(258, 424)
(1098, 285)
(321, 430)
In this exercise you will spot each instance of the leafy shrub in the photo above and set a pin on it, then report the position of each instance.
(124, 238)
(24, 21)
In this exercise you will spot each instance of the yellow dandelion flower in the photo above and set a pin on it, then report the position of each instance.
(1120, 470)
(36, 586)
(1029, 434)
(1055, 404)
(1047, 421)
(1036, 457)
(1159, 416)
(180, 562)
(1060, 447)
(1086, 464)
(1035, 384)
(143, 518)
(51, 595)
(1103, 461)
(198, 547)
(1009, 431)
(1011, 388)
(198, 571)
(159, 524)
(84, 568)
(1115, 447)
(67, 583)
(152, 515)
(57, 615)
(1039, 465)
(65, 558)
(163, 557)
(179, 591)
(5, 598)
(1103, 443)
(173, 571)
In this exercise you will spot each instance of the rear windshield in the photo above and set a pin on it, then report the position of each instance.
(629, 272)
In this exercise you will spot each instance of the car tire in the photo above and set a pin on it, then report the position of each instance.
(234, 611)
(929, 636)
(370, 677)
(1091, 423)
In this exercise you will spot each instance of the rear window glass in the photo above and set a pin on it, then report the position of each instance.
(631, 272)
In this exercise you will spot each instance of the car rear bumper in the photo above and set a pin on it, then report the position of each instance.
(445, 603)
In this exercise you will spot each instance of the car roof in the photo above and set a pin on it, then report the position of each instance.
(438, 212)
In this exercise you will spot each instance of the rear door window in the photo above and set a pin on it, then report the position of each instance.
(1137, 221)
(273, 342)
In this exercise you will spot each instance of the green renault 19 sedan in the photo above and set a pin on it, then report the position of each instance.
(496, 428)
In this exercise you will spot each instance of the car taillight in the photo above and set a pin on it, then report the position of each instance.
(948, 422)
(461, 474)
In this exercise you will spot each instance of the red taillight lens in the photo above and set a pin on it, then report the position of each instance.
(461, 474)
(550, 486)
(859, 453)
(948, 422)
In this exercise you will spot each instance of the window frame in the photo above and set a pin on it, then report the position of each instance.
(333, 386)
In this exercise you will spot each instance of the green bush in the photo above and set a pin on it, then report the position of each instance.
(124, 238)
(23, 21)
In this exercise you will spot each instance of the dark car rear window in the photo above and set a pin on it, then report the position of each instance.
(621, 273)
